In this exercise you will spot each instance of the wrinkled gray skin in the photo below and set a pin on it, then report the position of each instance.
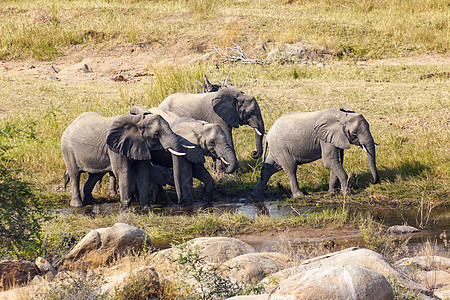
(302, 137)
(96, 144)
(212, 141)
(159, 177)
(228, 107)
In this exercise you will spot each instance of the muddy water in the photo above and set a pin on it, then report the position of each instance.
(435, 224)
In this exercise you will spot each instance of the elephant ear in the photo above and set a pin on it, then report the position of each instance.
(125, 138)
(137, 110)
(346, 109)
(330, 130)
(224, 105)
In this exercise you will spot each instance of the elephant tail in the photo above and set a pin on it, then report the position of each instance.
(66, 179)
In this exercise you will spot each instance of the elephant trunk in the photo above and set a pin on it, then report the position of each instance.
(370, 149)
(259, 134)
(228, 157)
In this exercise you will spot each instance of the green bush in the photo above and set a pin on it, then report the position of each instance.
(21, 213)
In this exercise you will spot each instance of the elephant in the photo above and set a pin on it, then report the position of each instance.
(302, 137)
(228, 107)
(97, 145)
(210, 138)
(209, 87)
(160, 176)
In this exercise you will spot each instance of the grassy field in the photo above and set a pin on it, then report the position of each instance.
(406, 104)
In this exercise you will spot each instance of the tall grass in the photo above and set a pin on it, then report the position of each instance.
(363, 29)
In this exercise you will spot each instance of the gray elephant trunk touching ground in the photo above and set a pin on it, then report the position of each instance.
(370, 148)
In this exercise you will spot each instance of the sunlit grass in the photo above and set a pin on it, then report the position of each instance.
(356, 29)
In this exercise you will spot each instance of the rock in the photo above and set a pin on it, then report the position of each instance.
(14, 273)
(432, 271)
(250, 297)
(428, 263)
(146, 274)
(220, 249)
(44, 266)
(105, 244)
(349, 257)
(343, 282)
(253, 267)
(402, 229)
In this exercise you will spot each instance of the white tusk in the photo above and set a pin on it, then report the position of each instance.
(364, 148)
(188, 146)
(258, 132)
(224, 161)
(175, 152)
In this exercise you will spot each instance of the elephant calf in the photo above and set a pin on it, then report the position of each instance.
(302, 137)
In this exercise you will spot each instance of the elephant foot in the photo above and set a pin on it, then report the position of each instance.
(257, 196)
(333, 192)
(125, 205)
(297, 194)
(76, 203)
(112, 194)
(346, 192)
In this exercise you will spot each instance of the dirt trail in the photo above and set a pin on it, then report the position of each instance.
(81, 64)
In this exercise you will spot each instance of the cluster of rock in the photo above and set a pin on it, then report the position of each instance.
(353, 273)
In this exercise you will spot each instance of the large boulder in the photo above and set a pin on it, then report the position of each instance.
(103, 245)
(253, 267)
(220, 249)
(145, 275)
(343, 282)
(14, 273)
(432, 271)
(349, 257)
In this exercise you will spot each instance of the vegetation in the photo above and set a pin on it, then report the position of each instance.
(406, 103)
(359, 29)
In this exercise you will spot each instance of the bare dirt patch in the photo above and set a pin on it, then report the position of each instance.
(326, 238)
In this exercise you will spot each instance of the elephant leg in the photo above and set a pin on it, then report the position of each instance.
(200, 172)
(182, 172)
(269, 168)
(76, 195)
(122, 171)
(112, 191)
(142, 175)
(89, 185)
(333, 183)
(332, 160)
(290, 167)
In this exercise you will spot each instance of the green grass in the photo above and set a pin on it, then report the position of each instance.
(408, 116)
(363, 29)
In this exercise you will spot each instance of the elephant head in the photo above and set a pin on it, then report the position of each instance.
(211, 138)
(343, 128)
(135, 135)
(237, 108)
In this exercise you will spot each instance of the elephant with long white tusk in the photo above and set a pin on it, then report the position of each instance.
(205, 139)
(96, 144)
(302, 137)
(228, 107)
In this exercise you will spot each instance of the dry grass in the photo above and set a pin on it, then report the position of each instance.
(366, 29)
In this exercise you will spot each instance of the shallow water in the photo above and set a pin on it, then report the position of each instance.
(439, 219)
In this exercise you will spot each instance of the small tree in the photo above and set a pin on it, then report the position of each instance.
(20, 217)
(20, 211)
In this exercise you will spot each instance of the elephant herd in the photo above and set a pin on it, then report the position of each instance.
(149, 148)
